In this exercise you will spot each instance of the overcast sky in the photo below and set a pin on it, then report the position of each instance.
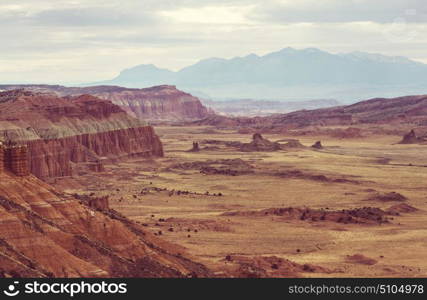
(51, 41)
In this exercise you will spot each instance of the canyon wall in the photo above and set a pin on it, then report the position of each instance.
(54, 158)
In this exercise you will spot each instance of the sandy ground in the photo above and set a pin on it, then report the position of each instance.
(147, 191)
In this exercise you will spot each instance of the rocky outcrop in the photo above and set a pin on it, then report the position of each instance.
(293, 144)
(60, 132)
(317, 145)
(362, 215)
(385, 197)
(195, 147)
(44, 233)
(260, 144)
(412, 138)
(231, 167)
(159, 103)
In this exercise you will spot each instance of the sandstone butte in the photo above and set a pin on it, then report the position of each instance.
(62, 131)
(159, 103)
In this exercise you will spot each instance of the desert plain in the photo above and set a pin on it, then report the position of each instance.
(354, 208)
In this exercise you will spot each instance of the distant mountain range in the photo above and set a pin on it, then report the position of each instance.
(289, 74)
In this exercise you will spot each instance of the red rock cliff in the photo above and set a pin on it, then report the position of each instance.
(54, 158)
(62, 131)
(16, 160)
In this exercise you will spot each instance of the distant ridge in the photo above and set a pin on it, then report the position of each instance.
(410, 111)
(289, 74)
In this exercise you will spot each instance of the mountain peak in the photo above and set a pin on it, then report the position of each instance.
(143, 67)
(211, 60)
(289, 51)
(313, 50)
(252, 55)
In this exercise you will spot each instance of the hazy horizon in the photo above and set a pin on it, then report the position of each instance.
(212, 57)
(74, 42)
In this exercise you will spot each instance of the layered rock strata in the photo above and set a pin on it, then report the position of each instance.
(60, 132)
(158, 103)
(14, 159)
(44, 233)
(54, 158)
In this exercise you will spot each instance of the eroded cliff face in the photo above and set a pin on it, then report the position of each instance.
(26, 115)
(44, 233)
(54, 158)
(60, 132)
(159, 103)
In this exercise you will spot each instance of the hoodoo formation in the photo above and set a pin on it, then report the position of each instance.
(61, 132)
(412, 138)
(195, 148)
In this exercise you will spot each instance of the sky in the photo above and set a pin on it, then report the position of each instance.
(66, 42)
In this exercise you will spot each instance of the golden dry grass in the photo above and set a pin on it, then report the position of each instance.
(399, 247)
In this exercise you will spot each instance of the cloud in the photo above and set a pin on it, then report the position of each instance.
(91, 16)
(90, 40)
(342, 11)
(209, 14)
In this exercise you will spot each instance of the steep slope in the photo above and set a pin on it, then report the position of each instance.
(44, 233)
(290, 74)
(62, 131)
(165, 103)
